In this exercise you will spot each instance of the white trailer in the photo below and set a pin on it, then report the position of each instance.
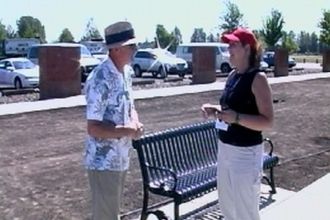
(18, 46)
(94, 46)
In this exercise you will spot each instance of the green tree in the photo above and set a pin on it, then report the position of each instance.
(272, 29)
(30, 27)
(66, 36)
(211, 38)
(10, 32)
(2, 36)
(176, 33)
(314, 43)
(308, 43)
(164, 39)
(2, 31)
(303, 42)
(259, 37)
(232, 19)
(91, 31)
(146, 44)
(325, 28)
(288, 41)
(198, 36)
(323, 47)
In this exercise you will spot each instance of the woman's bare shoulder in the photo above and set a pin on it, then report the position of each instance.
(260, 81)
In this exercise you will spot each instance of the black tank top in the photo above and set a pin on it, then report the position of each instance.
(238, 96)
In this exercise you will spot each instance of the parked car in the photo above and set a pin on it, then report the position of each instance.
(158, 62)
(222, 63)
(101, 54)
(263, 66)
(269, 58)
(19, 73)
(87, 61)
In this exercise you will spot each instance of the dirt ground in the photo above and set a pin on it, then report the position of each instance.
(41, 172)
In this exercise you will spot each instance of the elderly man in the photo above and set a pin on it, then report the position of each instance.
(112, 122)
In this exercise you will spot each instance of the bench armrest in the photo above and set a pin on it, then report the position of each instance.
(170, 171)
(270, 153)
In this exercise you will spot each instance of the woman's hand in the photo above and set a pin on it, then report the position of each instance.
(210, 110)
(229, 116)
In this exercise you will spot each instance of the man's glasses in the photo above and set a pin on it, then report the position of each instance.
(133, 46)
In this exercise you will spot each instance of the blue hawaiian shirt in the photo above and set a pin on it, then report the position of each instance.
(109, 99)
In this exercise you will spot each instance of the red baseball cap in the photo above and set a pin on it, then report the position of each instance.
(240, 35)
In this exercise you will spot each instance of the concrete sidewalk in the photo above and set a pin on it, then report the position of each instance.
(22, 107)
(266, 202)
(310, 203)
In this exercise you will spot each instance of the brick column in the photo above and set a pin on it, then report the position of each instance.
(59, 71)
(281, 58)
(326, 61)
(203, 63)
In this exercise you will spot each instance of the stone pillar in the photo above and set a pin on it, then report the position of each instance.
(326, 61)
(281, 67)
(59, 71)
(203, 65)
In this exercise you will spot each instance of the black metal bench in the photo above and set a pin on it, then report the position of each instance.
(181, 164)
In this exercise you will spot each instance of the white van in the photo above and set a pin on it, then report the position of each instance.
(94, 46)
(18, 46)
(87, 61)
(184, 51)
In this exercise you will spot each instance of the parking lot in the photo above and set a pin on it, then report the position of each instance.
(147, 81)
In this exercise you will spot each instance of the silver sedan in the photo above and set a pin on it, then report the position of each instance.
(19, 73)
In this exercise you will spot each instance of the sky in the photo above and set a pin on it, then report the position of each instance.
(55, 15)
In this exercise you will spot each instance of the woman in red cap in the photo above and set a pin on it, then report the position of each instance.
(245, 110)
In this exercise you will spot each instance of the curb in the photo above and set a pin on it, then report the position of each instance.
(18, 91)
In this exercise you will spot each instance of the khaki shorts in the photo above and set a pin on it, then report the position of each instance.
(106, 189)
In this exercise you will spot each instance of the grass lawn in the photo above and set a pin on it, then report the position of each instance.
(302, 58)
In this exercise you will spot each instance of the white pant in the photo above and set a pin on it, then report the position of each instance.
(239, 176)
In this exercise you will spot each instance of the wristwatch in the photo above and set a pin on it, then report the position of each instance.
(237, 118)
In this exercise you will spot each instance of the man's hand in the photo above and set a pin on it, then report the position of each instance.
(135, 130)
(139, 132)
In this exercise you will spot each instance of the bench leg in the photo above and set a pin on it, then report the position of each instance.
(144, 213)
(160, 215)
(176, 210)
(272, 181)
